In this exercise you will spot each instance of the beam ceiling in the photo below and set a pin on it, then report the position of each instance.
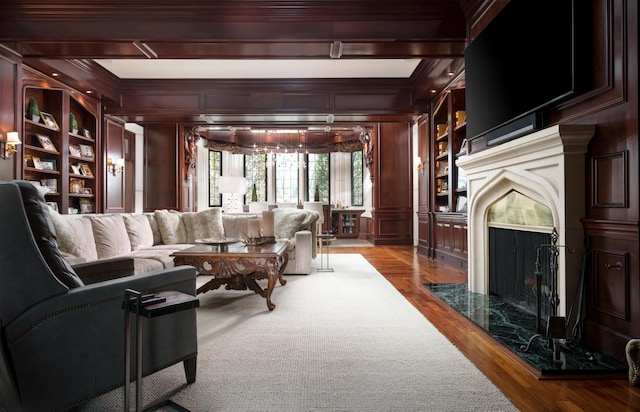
(65, 36)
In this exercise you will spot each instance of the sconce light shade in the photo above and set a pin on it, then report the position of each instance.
(8, 144)
(419, 165)
(13, 138)
(115, 167)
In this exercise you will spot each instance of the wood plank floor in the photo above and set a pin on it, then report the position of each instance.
(407, 271)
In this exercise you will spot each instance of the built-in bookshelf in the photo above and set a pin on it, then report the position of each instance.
(58, 155)
(449, 131)
(448, 202)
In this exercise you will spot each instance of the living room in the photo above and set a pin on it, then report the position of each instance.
(404, 207)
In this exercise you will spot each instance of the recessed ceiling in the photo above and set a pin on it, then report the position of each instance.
(259, 69)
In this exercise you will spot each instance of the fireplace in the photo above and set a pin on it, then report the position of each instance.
(546, 169)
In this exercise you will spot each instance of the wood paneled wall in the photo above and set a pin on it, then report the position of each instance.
(114, 199)
(129, 171)
(161, 167)
(8, 117)
(392, 198)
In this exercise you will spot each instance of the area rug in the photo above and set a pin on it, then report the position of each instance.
(336, 341)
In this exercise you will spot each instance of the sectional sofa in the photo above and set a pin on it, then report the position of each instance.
(150, 238)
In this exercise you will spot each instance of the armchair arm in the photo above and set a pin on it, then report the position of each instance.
(107, 269)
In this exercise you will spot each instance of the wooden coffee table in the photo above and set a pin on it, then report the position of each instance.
(238, 266)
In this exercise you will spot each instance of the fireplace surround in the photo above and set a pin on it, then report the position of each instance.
(548, 167)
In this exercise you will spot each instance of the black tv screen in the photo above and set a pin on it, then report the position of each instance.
(529, 57)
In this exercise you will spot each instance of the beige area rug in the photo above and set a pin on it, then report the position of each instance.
(337, 341)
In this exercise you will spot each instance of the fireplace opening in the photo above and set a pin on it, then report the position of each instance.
(514, 258)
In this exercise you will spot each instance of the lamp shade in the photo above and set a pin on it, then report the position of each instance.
(232, 184)
(13, 138)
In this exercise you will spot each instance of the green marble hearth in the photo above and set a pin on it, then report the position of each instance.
(514, 327)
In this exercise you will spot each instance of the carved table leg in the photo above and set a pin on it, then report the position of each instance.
(283, 265)
(632, 351)
(272, 275)
(253, 285)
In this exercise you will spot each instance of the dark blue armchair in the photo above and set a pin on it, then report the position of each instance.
(62, 341)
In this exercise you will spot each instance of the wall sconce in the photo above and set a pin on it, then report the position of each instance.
(115, 168)
(419, 165)
(8, 144)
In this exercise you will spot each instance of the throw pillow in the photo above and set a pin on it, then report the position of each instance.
(287, 222)
(139, 231)
(171, 226)
(38, 214)
(111, 235)
(155, 229)
(74, 236)
(204, 224)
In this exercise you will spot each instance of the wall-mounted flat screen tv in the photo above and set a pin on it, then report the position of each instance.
(532, 55)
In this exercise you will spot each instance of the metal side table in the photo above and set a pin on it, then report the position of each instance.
(325, 238)
(148, 306)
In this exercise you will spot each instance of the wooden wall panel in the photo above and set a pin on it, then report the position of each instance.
(610, 180)
(375, 102)
(114, 200)
(8, 117)
(450, 239)
(161, 167)
(612, 304)
(161, 102)
(392, 198)
(129, 171)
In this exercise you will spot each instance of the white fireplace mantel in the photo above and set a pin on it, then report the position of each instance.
(547, 166)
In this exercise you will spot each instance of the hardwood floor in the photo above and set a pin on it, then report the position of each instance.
(407, 271)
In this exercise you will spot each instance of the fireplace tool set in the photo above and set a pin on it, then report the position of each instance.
(556, 325)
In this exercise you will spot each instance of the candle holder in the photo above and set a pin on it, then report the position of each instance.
(254, 241)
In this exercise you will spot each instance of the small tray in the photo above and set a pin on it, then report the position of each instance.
(217, 241)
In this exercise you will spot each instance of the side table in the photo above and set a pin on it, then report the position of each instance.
(147, 306)
(325, 238)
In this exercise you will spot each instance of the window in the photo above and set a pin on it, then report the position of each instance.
(318, 167)
(357, 173)
(215, 171)
(255, 170)
(287, 177)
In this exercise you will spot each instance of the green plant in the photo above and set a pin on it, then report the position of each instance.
(316, 194)
(32, 108)
(73, 123)
(254, 193)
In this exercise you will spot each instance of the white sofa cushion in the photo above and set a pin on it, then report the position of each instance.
(236, 225)
(155, 228)
(171, 226)
(111, 235)
(74, 235)
(204, 224)
(139, 231)
(287, 222)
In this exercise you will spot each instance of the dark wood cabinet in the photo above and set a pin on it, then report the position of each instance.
(345, 223)
(451, 239)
